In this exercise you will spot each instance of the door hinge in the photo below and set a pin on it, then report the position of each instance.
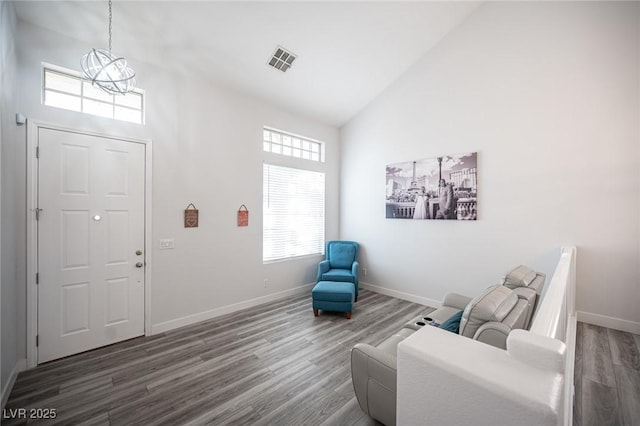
(38, 210)
(37, 152)
(37, 278)
(37, 340)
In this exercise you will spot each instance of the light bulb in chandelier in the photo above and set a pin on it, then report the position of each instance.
(110, 73)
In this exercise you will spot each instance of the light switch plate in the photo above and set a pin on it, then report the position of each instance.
(167, 244)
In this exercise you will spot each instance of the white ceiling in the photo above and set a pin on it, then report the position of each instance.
(348, 52)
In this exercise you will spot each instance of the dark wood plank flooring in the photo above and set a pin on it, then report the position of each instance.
(278, 365)
(607, 377)
(271, 365)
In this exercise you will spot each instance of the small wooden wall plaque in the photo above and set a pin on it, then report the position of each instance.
(243, 216)
(191, 216)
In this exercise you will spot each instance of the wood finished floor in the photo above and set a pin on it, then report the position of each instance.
(278, 365)
(607, 377)
(271, 365)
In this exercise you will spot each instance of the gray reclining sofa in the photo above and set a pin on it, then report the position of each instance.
(487, 318)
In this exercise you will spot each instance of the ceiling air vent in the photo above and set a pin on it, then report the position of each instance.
(282, 59)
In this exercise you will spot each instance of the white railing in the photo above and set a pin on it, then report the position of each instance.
(558, 304)
(452, 380)
(556, 318)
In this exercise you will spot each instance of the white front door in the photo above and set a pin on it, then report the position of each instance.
(90, 242)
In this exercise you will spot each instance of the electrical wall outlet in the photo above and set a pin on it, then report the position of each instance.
(364, 272)
(266, 281)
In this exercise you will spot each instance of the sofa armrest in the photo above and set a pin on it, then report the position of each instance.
(323, 267)
(373, 373)
(378, 364)
(355, 270)
(456, 300)
(493, 333)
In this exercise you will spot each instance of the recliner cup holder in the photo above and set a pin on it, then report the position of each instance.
(420, 323)
(427, 319)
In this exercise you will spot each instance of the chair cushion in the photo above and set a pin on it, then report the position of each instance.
(453, 323)
(538, 283)
(331, 291)
(341, 255)
(517, 316)
(521, 276)
(338, 275)
(494, 304)
(529, 296)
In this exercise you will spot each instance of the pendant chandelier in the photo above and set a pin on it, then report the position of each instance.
(107, 71)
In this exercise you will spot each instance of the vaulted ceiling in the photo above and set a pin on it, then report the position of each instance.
(348, 52)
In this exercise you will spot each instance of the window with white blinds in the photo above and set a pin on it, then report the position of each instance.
(293, 213)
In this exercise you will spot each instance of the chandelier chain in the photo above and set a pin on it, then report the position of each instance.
(110, 73)
(110, 18)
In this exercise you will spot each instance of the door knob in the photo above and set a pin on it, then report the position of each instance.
(139, 252)
(139, 265)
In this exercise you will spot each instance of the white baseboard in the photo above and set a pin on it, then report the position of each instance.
(401, 295)
(223, 310)
(609, 322)
(20, 366)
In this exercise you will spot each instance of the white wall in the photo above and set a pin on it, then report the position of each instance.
(12, 309)
(547, 94)
(207, 150)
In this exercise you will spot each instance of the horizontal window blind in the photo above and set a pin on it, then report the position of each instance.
(293, 212)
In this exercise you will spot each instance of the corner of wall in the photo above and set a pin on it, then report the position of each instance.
(20, 366)
(402, 295)
(12, 342)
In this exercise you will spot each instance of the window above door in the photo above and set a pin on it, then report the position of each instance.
(67, 89)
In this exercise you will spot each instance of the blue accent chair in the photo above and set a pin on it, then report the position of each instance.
(341, 264)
